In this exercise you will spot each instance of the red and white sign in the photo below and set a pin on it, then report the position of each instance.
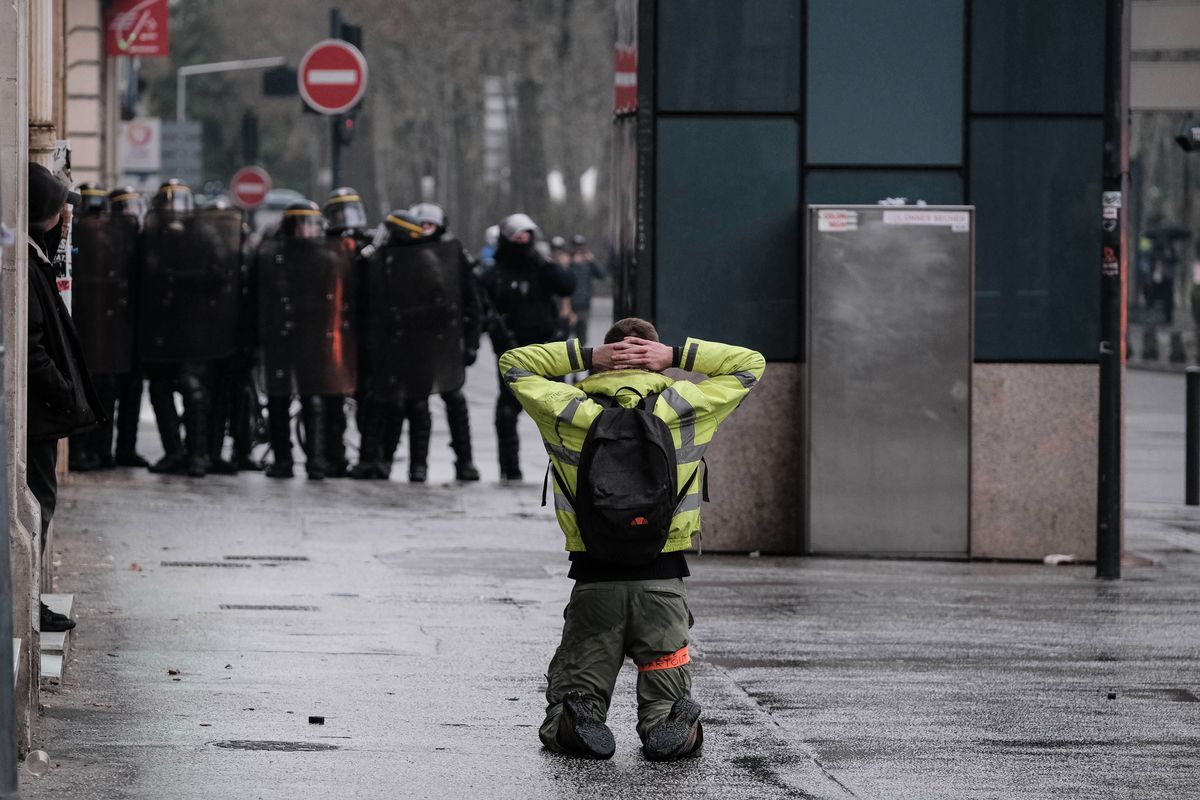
(332, 76)
(249, 187)
(625, 80)
(137, 28)
(836, 220)
(139, 147)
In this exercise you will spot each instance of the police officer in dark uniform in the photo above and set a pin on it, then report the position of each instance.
(235, 404)
(127, 205)
(100, 253)
(434, 224)
(523, 290)
(306, 310)
(187, 316)
(381, 396)
(346, 221)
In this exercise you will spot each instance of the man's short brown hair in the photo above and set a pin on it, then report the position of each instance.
(630, 326)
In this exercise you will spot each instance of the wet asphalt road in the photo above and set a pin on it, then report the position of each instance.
(418, 622)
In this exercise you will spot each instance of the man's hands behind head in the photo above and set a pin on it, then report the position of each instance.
(633, 353)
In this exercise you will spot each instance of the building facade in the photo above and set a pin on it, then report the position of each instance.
(749, 111)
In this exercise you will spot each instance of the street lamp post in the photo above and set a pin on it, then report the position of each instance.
(181, 76)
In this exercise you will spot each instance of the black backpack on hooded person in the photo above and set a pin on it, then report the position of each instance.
(626, 490)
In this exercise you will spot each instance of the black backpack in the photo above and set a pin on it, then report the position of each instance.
(626, 491)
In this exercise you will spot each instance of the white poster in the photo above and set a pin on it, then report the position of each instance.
(139, 148)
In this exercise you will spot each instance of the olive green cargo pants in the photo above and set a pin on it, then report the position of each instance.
(647, 621)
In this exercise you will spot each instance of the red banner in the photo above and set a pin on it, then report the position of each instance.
(137, 28)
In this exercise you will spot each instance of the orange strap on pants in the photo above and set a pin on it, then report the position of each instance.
(669, 661)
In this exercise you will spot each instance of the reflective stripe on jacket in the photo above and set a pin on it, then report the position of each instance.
(692, 411)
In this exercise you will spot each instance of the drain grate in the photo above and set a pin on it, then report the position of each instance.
(203, 564)
(241, 607)
(276, 747)
(266, 558)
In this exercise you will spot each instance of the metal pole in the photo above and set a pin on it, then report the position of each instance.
(1192, 442)
(1112, 284)
(182, 74)
(335, 126)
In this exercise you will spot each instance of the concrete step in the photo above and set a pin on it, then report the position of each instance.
(55, 645)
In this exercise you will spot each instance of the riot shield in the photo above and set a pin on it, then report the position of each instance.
(414, 319)
(102, 305)
(189, 286)
(306, 301)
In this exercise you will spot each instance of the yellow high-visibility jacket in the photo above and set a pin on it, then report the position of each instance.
(692, 411)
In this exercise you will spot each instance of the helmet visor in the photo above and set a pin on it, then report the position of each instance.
(346, 212)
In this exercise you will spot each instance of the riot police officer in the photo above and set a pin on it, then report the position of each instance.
(128, 205)
(434, 225)
(103, 310)
(414, 334)
(187, 316)
(346, 223)
(523, 289)
(235, 402)
(306, 319)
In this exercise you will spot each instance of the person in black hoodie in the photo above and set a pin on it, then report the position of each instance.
(61, 398)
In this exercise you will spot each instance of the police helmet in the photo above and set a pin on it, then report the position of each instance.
(578, 241)
(403, 227)
(513, 224)
(174, 198)
(94, 200)
(344, 211)
(430, 214)
(128, 201)
(302, 220)
(492, 235)
(558, 244)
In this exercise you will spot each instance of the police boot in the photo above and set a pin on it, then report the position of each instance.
(166, 417)
(580, 733)
(509, 444)
(80, 457)
(247, 412)
(335, 436)
(196, 410)
(420, 427)
(129, 409)
(314, 437)
(279, 431)
(370, 442)
(680, 735)
(459, 419)
(392, 415)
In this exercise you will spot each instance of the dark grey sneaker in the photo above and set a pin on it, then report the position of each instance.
(580, 733)
(680, 735)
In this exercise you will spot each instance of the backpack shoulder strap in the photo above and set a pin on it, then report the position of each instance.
(603, 400)
(558, 480)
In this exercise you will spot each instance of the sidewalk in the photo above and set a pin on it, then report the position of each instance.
(418, 621)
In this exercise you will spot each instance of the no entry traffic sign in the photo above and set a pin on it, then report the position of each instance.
(249, 187)
(332, 76)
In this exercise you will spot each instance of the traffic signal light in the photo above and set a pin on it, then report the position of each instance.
(352, 34)
(345, 128)
(279, 82)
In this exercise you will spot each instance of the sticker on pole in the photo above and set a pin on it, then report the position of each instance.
(332, 76)
(249, 187)
(836, 220)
